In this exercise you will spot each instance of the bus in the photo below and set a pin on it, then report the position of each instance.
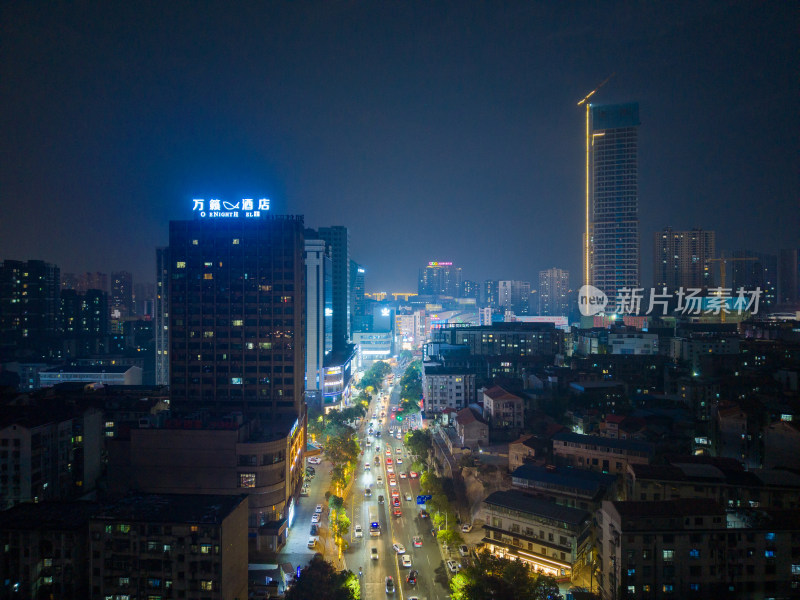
(374, 523)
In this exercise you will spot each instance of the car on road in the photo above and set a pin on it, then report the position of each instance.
(399, 451)
(377, 449)
(466, 528)
(314, 529)
(318, 509)
(304, 492)
(389, 460)
(423, 514)
(399, 461)
(379, 480)
(411, 579)
(390, 468)
(373, 553)
(417, 541)
(412, 474)
(315, 518)
(314, 460)
(403, 475)
(388, 451)
(389, 585)
(312, 542)
(395, 494)
(392, 482)
(408, 497)
(366, 466)
(358, 531)
(397, 512)
(380, 499)
(463, 550)
(395, 502)
(367, 492)
(377, 460)
(453, 566)
(406, 561)
(399, 548)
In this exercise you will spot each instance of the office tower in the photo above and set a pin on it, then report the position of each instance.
(319, 313)
(611, 261)
(788, 276)
(754, 270)
(553, 292)
(161, 316)
(92, 281)
(358, 302)
(338, 238)
(681, 259)
(236, 310)
(122, 293)
(30, 303)
(440, 279)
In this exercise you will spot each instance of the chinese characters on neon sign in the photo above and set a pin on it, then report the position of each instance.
(214, 208)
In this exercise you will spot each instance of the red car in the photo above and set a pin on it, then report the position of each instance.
(413, 474)
(397, 512)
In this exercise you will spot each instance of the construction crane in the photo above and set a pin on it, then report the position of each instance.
(723, 261)
(586, 277)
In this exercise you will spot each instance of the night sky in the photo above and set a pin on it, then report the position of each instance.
(433, 131)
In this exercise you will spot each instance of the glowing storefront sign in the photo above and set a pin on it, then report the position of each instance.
(217, 209)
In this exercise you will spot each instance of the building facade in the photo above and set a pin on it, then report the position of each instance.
(681, 259)
(447, 387)
(338, 240)
(161, 316)
(598, 453)
(503, 409)
(553, 292)
(613, 202)
(440, 279)
(237, 315)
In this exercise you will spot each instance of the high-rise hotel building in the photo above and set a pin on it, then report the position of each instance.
(236, 315)
(611, 259)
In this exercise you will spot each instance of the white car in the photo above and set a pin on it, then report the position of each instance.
(466, 528)
(399, 451)
(406, 560)
(314, 460)
(403, 475)
(399, 460)
(366, 466)
(379, 480)
(318, 509)
(463, 550)
(399, 548)
(373, 553)
(393, 482)
(315, 518)
(358, 531)
(453, 566)
(312, 542)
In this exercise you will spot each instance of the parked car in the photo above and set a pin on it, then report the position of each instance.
(314, 460)
(466, 528)
(315, 518)
(453, 566)
(463, 550)
(318, 509)
(312, 542)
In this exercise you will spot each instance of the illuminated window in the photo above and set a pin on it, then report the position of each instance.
(247, 480)
(207, 585)
(124, 581)
(237, 322)
(181, 264)
(123, 528)
(208, 334)
(194, 242)
(265, 345)
(236, 381)
(235, 243)
(208, 276)
(194, 529)
(205, 548)
(668, 554)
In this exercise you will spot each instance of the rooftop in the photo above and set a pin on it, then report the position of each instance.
(682, 507)
(88, 369)
(498, 393)
(582, 479)
(51, 516)
(596, 440)
(521, 502)
(172, 508)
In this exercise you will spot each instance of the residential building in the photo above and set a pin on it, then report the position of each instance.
(46, 550)
(612, 236)
(633, 342)
(502, 409)
(170, 546)
(85, 322)
(121, 298)
(598, 453)
(447, 387)
(690, 548)
(161, 316)
(30, 307)
(758, 270)
(504, 339)
(540, 534)
(681, 259)
(473, 432)
(513, 295)
(553, 292)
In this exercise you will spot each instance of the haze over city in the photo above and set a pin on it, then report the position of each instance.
(432, 131)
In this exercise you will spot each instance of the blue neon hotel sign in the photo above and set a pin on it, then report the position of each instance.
(218, 209)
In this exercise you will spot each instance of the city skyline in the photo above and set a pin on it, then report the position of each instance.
(372, 116)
